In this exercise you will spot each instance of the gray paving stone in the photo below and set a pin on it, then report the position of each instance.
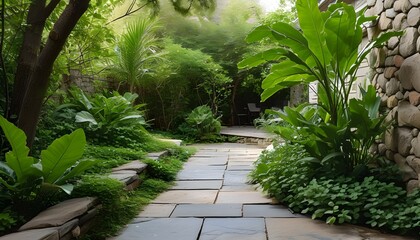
(125, 176)
(198, 185)
(233, 228)
(268, 211)
(208, 161)
(208, 210)
(198, 174)
(235, 177)
(157, 211)
(192, 166)
(243, 159)
(308, 229)
(239, 188)
(134, 166)
(187, 196)
(163, 229)
(242, 197)
(240, 167)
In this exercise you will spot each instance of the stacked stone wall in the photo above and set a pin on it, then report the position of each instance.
(396, 77)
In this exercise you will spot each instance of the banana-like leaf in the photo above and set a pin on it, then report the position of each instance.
(84, 116)
(62, 154)
(75, 170)
(312, 25)
(18, 158)
(258, 34)
(269, 55)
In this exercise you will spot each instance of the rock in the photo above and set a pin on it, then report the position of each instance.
(384, 100)
(370, 3)
(398, 60)
(413, 17)
(393, 42)
(408, 42)
(404, 138)
(414, 98)
(389, 139)
(389, 155)
(389, 72)
(396, 24)
(384, 22)
(393, 52)
(409, 73)
(406, 171)
(382, 81)
(418, 45)
(406, 95)
(381, 149)
(392, 102)
(61, 213)
(408, 115)
(379, 70)
(378, 8)
(415, 3)
(414, 132)
(377, 57)
(399, 95)
(416, 146)
(390, 13)
(392, 87)
(390, 117)
(388, 4)
(412, 185)
(414, 164)
(389, 61)
(402, 6)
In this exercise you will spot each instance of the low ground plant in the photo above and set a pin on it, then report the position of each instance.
(368, 201)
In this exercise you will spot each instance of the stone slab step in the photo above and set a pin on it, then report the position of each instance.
(174, 141)
(34, 234)
(125, 176)
(133, 166)
(157, 155)
(61, 213)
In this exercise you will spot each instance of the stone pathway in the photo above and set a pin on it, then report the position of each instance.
(212, 200)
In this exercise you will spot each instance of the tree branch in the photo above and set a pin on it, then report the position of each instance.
(128, 13)
(3, 65)
(50, 8)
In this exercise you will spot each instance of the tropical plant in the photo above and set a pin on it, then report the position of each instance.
(325, 50)
(201, 124)
(135, 51)
(24, 177)
(103, 113)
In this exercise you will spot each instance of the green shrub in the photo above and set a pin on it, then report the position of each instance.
(165, 168)
(201, 125)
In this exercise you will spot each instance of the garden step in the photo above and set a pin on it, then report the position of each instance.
(157, 155)
(134, 166)
(34, 234)
(125, 176)
(174, 141)
(61, 213)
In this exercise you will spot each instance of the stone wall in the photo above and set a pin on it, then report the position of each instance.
(397, 80)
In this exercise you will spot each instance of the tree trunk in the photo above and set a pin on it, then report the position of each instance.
(298, 95)
(233, 111)
(39, 79)
(27, 56)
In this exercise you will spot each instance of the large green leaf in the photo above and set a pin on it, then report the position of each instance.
(84, 116)
(78, 168)
(257, 59)
(18, 158)
(62, 154)
(312, 25)
(258, 34)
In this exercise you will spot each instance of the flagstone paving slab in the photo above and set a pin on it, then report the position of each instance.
(197, 174)
(242, 197)
(192, 166)
(208, 210)
(209, 162)
(235, 177)
(187, 196)
(238, 188)
(163, 229)
(157, 211)
(240, 167)
(198, 185)
(233, 228)
(268, 211)
(308, 229)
